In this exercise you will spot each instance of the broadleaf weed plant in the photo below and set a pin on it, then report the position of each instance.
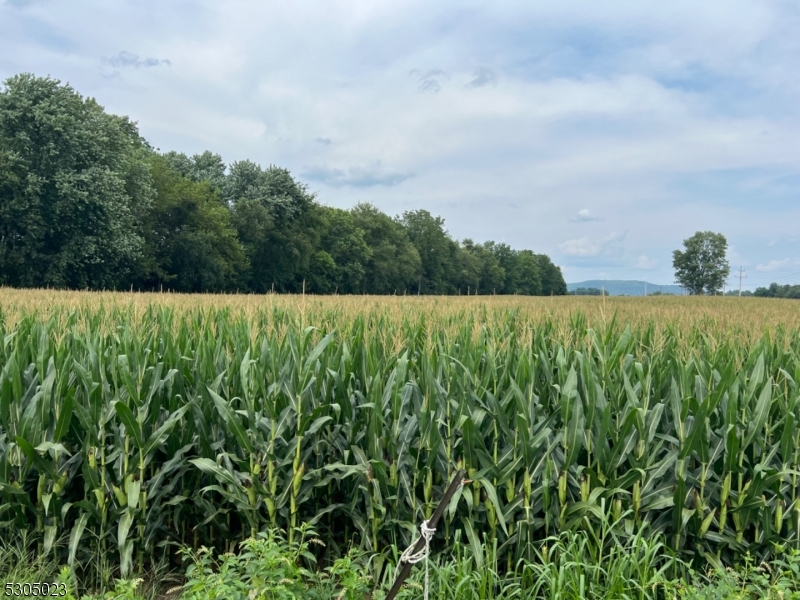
(777, 580)
(269, 567)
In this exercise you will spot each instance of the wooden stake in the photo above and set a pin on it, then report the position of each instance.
(405, 571)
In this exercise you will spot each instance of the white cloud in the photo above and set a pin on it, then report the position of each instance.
(645, 263)
(580, 247)
(358, 176)
(776, 265)
(586, 247)
(126, 59)
(584, 215)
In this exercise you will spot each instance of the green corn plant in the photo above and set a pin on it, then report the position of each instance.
(136, 428)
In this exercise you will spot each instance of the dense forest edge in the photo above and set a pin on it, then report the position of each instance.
(87, 203)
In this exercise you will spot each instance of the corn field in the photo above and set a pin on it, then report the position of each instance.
(128, 429)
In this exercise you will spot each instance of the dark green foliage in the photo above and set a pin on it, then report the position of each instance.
(436, 250)
(278, 224)
(74, 184)
(341, 261)
(553, 283)
(527, 276)
(595, 292)
(190, 245)
(481, 272)
(775, 290)
(394, 263)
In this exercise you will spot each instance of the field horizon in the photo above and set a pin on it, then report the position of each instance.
(751, 315)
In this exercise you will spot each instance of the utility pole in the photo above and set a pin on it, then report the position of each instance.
(645, 288)
(741, 271)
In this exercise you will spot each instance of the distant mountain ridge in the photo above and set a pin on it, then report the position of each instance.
(626, 287)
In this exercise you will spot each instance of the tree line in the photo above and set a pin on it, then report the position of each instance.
(588, 291)
(86, 202)
(774, 290)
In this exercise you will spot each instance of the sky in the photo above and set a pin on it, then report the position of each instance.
(600, 133)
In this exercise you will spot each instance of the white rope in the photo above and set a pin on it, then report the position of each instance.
(413, 558)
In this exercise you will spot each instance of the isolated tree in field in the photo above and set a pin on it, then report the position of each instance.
(702, 267)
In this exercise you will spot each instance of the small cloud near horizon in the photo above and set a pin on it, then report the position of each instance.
(126, 59)
(587, 247)
(359, 176)
(775, 265)
(584, 216)
(646, 264)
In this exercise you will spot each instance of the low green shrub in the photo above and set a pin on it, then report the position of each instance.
(271, 568)
(777, 580)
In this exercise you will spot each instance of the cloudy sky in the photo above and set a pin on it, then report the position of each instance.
(601, 133)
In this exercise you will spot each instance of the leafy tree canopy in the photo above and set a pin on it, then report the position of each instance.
(75, 183)
(776, 290)
(702, 267)
(206, 167)
(344, 243)
(191, 245)
(435, 249)
(394, 263)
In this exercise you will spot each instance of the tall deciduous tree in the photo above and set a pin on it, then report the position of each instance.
(702, 267)
(481, 270)
(278, 223)
(528, 276)
(75, 183)
(436, 249)
(191, 245)
(207, 167)
(394, 265)
(553, 283)
(341, 262)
